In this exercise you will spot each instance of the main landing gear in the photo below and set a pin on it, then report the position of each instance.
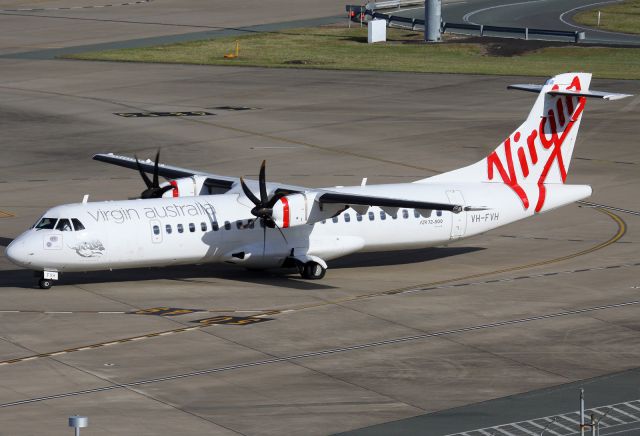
(310, 267)
(46, 279)
(312, 270)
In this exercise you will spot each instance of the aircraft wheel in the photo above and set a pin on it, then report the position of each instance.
(45, 284)
(313, 271)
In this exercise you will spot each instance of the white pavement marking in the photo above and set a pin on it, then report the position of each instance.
(553, 423)
(521, 428)
(591, 29)
(466, 17)
(619, 410)
(632, 406)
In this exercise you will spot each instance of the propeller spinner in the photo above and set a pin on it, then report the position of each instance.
(263, 208)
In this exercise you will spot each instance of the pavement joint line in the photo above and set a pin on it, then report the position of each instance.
(321, 353)
(74, 7)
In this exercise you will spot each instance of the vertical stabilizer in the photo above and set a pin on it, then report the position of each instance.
(539, 151)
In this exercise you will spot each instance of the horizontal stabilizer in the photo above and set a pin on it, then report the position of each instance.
(587, 93)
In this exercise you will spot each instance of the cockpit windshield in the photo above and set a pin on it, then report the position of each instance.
(77, 224)
(63, 224)
(46, 223)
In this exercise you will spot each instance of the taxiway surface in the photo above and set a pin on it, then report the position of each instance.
(383, 336)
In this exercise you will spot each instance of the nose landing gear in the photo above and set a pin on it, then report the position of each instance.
(46, 279)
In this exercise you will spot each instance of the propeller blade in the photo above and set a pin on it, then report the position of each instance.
(281, 232)
(263, 184)
(264, 239)
(155, 170)
(273, 200)
(164, 189)
(143, 174)
(248, 192)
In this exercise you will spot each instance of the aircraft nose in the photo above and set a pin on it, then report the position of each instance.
(17, 252)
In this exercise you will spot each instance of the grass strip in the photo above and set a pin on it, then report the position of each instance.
(623, 17)
(347, 49)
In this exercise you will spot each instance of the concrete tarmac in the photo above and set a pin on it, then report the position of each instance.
(335, 355)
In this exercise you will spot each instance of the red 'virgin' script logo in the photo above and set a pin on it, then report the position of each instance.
(544, 137)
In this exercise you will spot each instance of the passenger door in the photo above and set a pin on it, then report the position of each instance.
(458, 220)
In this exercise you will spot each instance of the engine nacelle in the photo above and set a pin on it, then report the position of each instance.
(291, 211)
(187, 187)
(301, 208)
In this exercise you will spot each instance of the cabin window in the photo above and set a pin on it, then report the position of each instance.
(167, 228)
(347, 217)
(192, 227)
(383, 215)
(77, 224)
(227, 225)
(46, 224)
(323, 221)
(64, 225)
(180, 228)
(438, 212)
(371, 216)
(239, 224)
(156, 230)
(215, 226)
(262, 223)
(251, 224)
(203, 226)
(359, 217)
(416, 213)
(405, 213)
(334, 219)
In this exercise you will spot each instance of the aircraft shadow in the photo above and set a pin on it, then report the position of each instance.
(284, 278)
(388, 258)
(21, 278)
(4, 242)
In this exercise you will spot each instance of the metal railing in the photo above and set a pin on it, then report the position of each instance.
(359, 13)
(391, 4)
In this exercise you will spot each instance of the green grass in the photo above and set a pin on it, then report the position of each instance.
(346, 49)
(624, 17)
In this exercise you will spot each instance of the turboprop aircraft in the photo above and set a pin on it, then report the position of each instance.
(198, 218)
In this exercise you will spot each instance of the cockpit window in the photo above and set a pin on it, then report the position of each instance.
(77, 224)
(64, 225)
(46, 223)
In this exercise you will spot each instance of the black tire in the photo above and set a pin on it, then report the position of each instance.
(313, 271)
(45, 284)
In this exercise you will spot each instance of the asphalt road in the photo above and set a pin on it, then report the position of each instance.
(541, 14)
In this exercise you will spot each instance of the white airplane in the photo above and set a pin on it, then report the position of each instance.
(199, 218)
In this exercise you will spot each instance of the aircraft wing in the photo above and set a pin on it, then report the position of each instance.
(167, 171)
(170, 172)
(366, 200)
